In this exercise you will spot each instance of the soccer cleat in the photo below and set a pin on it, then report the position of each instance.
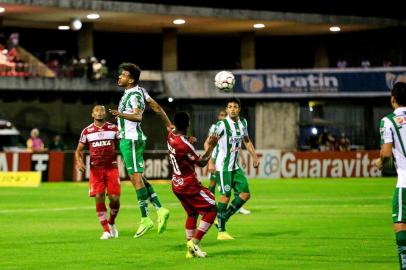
(244, 211)
(145, 225)
(189, 254)
(195, 249)
(163, 215)
(224, 236)
(113, 231)
(216, 223)
(105, 236)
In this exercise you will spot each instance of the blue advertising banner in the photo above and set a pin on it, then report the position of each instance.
(321, 81)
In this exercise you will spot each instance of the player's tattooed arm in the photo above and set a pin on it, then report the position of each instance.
(211, 143)
(79, 157)
(251, 149)
(162, 114)
(136, 116)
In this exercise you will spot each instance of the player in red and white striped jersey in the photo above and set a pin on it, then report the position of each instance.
(194, 197)
(100, 137)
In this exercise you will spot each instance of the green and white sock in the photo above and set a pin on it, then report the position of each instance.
(221, 216)
(234, 206)
(142, 195)
(401, 242)
(152, 196)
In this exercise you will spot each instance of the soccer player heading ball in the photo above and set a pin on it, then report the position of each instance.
(132, 143)
(195, 198)
(101, 136)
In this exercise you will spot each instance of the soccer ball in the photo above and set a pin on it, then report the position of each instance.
(224, 81)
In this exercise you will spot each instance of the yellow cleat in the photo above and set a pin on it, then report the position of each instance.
(224, 236)
(145, 225)
(189, 254)
(195, 250)
(163, 215)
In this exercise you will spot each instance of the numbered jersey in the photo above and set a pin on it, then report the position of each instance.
(101, 143)
(231, 137)
(393, 130)
(183, 156)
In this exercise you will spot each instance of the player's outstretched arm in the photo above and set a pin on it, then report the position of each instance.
(251, 149)
(162, 114)
(212, 141)
(136, 116)
(79, 157)
(212, 168)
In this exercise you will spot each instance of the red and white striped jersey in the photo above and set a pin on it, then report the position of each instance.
(101, 143)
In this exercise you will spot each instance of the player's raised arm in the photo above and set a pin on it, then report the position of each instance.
(79, 157)
(136, 116)
(211, 143)
(162, 114)
(251, 149)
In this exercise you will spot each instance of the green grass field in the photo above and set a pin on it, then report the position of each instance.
(295, 224)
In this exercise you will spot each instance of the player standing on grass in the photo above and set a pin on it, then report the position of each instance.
(194, 197)
(133, 140)
(212, 168)
(393, 142)
(233, 132)
(100, 137)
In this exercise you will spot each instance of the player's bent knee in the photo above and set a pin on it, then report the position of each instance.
(399, 226)
(245, 196)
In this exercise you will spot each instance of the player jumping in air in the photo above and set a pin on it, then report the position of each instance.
(100, 137)
(233, 132)
(212, 168)
(393, 142)
(194, 197)
(133, 140)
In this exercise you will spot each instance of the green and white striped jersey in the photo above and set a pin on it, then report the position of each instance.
(393, 130)
(231, 138)
(133, 98)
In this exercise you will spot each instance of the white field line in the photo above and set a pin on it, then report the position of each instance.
(259, 207)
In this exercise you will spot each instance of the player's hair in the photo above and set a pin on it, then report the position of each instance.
(220, 111)
(181, 120)
(233, 100)
(399, 93)
(133, 69)
(96, 106)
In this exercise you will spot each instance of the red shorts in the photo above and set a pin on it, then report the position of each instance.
(201, 202)
(102, 179)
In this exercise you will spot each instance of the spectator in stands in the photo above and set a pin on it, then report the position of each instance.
(365, 63)
(341, 63)
(326, 141)
(104, 69)
(56, 144)
(344, 143)
(34, 143)
(387, 63)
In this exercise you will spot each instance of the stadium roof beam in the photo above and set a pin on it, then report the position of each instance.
(115, 15)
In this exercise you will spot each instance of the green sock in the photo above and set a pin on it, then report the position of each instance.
(212, 189)
(142, 195)
(234, 206)
(401, 242)
(153, 198)
(221, 216)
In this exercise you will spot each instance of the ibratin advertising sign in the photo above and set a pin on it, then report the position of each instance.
(279, 164)
(318, 81)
